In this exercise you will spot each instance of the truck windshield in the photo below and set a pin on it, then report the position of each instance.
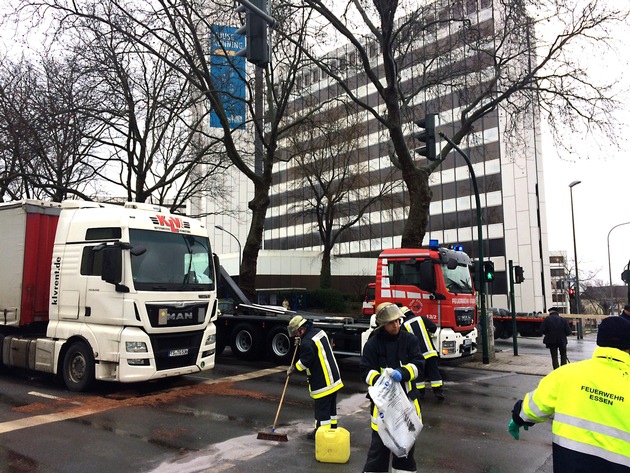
(171, 262)
(457, 280)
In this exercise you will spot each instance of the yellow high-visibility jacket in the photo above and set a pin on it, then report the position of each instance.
(590, 405)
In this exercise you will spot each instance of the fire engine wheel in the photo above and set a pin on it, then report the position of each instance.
(279, 346)
(78, 367)
(246, 342)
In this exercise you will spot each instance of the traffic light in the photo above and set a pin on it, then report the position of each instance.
(518, 274)
(571, 293)
(475, 271)
(488, 271)
(255, 28)
(625, 276)
(427, 136)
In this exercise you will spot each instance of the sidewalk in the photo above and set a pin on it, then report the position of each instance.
(526, 362)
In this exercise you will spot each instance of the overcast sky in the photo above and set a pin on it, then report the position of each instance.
(602, 200)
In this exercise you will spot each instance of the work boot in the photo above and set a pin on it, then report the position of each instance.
(439, 394)
(311, 435)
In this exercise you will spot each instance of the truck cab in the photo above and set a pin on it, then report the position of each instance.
(131, 293)
(436, 283)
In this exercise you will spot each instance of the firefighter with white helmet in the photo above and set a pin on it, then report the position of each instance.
(322, 371)
(391, 347)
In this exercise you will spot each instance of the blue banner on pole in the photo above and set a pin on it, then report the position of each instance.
(228, 74)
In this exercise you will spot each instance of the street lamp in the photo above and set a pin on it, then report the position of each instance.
(219, 227)
(577, 276)
(612, 297)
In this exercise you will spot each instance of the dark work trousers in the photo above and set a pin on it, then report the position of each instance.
(378, 458)
(554, 355)
(431, 373)
(326, 410)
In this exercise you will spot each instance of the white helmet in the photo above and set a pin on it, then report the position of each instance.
(387, 312)
(295, 323)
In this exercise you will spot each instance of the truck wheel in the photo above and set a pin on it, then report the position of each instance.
(78, 367)
(246, 342)
(279, 346)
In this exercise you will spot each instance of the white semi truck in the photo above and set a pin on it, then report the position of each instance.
(91, 291)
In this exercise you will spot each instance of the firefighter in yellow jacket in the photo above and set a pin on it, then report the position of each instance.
(590, 405)
(322, 371)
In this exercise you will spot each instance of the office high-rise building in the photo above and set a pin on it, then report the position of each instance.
(509, 177)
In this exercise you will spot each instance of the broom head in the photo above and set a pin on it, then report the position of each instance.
(272, 436)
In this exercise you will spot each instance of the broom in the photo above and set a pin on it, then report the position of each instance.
(273, 435)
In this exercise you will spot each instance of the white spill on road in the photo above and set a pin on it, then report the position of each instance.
(222, 455)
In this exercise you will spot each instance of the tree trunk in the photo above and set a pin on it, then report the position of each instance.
(325, 276)
(258, 205)
(420, 195)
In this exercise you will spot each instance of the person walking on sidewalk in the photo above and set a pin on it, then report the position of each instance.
(589, 402)
(390, 347)
(555, 330)
(625, 313)
(422, 328)
(322, 371)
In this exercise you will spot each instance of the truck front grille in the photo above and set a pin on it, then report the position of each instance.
(464, 316)
(168, 348)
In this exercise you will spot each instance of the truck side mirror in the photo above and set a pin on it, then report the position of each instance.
(427, 276)
(215, 274)
(111, 271)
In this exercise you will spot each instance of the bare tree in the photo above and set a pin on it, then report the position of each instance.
(48, 142)
(157, 147)
(330, 185)
(177, 34)
(487, 65)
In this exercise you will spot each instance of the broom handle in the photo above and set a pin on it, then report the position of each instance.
(286, 383)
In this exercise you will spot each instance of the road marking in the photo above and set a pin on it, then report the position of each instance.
(35, 421)
(47, 396)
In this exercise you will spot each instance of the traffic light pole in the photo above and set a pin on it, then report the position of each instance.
(482, 298)
(513, 309)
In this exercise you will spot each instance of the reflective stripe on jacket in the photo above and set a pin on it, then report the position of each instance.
(317, 358)
(418, 328)
(590, 405)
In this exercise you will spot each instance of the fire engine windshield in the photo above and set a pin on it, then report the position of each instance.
(457, 280)
(171, 262)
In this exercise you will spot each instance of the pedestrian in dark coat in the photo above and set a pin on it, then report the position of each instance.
(555, 330)
(625, 313)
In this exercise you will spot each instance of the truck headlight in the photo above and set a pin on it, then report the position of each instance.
(211, 339)
(448, 346)
(136, 347)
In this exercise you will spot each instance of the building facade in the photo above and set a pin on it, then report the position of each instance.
(509, 178)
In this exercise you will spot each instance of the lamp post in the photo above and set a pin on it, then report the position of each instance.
(219, 227)
(577, 276)
(612, 297)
